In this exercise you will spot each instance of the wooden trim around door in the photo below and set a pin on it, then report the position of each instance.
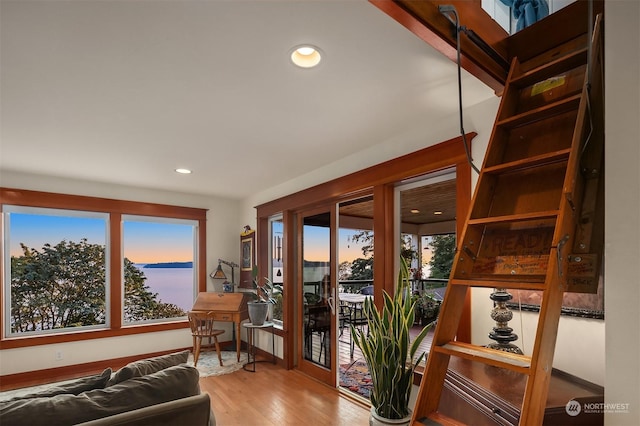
(379, 179)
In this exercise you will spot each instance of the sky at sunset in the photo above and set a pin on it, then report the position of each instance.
(316, 246)
(149, 242)
(144, 242)
(35, 230)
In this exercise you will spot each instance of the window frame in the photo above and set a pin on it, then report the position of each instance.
(6, 259)
(165, 221)
(278, 218)
(116, 209)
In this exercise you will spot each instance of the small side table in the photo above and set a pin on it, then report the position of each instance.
(251, 348)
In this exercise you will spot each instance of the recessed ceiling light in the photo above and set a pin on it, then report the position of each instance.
(305, 56)
(437, 212)
(415, 211)
(183, 171)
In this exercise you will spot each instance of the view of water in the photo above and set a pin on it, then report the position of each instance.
(173, 285)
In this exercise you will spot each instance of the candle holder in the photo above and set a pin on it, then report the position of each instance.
(502, 333)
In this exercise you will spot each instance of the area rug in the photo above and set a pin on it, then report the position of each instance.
(355, 377)
(208, 364)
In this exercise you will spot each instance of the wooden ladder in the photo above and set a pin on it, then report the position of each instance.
(532, 223)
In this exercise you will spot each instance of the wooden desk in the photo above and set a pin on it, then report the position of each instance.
(229, 307)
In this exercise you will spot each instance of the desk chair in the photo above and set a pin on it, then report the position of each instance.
(201, 324)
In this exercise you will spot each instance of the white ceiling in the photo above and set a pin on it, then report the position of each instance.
(126, 91)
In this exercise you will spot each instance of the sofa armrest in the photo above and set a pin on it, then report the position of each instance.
(193, 410)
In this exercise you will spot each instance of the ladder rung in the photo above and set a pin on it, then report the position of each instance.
(507, 360)
(538, 160)
(550, 69)
(546, 111)
(522, 217)
(437, 419)
(520, 284)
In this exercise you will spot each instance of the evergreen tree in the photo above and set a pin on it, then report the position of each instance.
(444, 249)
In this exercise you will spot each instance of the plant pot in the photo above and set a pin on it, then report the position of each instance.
(376, 420)
(258, 312)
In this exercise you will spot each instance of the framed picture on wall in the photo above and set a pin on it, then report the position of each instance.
(247, 256)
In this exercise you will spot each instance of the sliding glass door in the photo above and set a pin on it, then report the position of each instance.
(316, 271)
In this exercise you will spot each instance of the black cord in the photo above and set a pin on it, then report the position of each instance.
(450, 9)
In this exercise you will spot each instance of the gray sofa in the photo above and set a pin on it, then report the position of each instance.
(155, 391)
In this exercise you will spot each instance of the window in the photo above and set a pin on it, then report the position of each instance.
(276, 229)
(92, 266)
(438, 254)
(355, 259)
(158, 268)
(56, 264)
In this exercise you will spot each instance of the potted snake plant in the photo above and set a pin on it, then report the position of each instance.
(389, 352)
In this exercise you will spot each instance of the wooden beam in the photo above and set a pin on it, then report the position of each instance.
(424, 20)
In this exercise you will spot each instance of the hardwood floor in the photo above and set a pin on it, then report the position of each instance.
(275, 396)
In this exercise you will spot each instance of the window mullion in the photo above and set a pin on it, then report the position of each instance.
(116, 287)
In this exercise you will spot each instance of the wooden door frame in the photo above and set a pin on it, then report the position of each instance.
(380, 179)
(308, 367)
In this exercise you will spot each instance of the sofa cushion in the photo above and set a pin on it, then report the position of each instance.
(148, 366)
(170, 384)
(74, 387)
(190, 411)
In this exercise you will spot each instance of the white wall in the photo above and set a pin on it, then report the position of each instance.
(622, 215)
(479, 118)
(575, 336)
(223, 240)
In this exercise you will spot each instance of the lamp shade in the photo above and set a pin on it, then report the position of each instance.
(219, 273)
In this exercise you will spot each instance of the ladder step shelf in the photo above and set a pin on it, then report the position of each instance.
(516, 283)
(547, 158)
(512, 218)
(437, 419)
(502, 359)
(540, 113)
(572, 60)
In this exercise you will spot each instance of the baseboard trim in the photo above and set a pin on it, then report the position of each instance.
(49, 375)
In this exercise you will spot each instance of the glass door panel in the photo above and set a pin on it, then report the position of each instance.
(355, 284)
(317, 325)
